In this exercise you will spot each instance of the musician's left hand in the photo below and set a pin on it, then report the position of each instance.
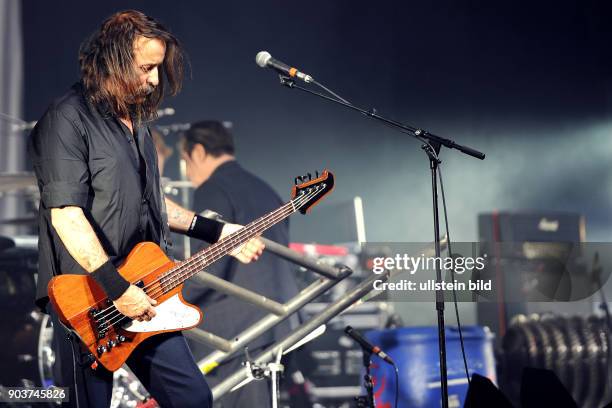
(250, 251)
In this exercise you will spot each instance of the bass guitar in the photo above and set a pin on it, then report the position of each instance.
(110, 336)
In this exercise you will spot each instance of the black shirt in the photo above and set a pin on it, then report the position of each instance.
(87, 159)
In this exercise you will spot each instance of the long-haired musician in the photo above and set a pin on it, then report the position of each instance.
(99, 184)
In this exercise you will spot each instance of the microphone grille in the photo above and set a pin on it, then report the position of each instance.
(262, 58)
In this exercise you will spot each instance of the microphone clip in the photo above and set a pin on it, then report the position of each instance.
(286, 81)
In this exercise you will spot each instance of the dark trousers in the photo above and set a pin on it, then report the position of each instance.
(163, 364)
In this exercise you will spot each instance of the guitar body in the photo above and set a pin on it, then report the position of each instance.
(81, 305)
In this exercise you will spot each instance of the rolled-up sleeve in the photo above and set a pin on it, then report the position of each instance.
(60, 157)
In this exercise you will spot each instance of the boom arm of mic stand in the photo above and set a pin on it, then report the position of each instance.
(415, 132)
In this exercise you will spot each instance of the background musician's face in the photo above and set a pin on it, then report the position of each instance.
(149, 54)
(199, 165)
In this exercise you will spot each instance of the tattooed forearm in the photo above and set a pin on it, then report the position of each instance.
(78, 237)
(179, 218)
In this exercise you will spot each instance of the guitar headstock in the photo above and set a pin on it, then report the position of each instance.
(308, 191)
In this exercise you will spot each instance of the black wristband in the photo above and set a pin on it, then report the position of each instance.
(205, 229)
(111, 281)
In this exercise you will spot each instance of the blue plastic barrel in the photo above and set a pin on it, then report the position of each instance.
(415, 351)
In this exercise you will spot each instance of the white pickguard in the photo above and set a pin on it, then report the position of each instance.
(172, 314)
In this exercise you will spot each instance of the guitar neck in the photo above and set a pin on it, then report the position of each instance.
(207, 256)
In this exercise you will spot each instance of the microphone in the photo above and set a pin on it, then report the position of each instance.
(367, 345)
(175, 127)
(165, 112)
(264, 60)
(25, 126)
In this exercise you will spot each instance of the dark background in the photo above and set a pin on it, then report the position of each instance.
(528, 83)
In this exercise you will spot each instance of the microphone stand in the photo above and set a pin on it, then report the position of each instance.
(432, 145)
(367, 401)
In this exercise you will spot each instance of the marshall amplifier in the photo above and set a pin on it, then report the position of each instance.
(530, 242)
(531, 226)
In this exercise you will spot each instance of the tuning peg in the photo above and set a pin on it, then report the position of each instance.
(298, 180)
(309, 176)
(317, 174)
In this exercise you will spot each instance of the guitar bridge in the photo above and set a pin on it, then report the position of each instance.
(98, 322)
(103, 320)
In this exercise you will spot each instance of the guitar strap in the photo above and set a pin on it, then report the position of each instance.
(164, 233)
(165, 229)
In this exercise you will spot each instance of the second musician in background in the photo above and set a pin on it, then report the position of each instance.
(223, 186)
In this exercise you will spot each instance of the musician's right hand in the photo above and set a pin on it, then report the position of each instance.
(136, 304)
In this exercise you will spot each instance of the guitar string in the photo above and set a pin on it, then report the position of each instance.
(165, 283)
(214, 251)
(182, 266)
(205, 258)
(180, 271)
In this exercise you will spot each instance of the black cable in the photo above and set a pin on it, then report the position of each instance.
(450, 252)
(396, 383)
(69, 337)
(331, 92)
